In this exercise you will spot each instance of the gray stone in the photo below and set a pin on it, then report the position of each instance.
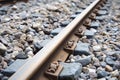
(13, 54)
(102, 12)
(5, 78)
(113, 53)
(64, 23)
(102, 79)
(30, 54)
(73, 16)
(89, 33)
(44, 42)
(70, 71)
(104, 8)
(24, 15)
(3, 48)
(4, 41)
(47, 31)
(100, 18)
(82, 48)
(27, 49)
(3, 11)
(56, 31)
(93, 30)
(95, 25)
(97, 48)
(29, 38)
(5, 19)
(35, 15)
(92, 73)
(115, 29)
(1, 76)
(14, 7)
(40, 44)
(21, 56)
(84, 61)
(79, 11)
(36, 26)
(115, 73)
(103, 64)
(113, 78)
(101, 73)
(96, 63)
(109, 61)
(117, 65)
(10, 62)
(84, 76)
(52, 7)
(37, 45)
(84, 7)
(14, 67)
(108, 5)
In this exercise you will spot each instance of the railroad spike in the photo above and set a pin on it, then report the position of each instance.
(87, 22)
(53, 67)
(54, 70)
(98, 7)
(92, 16)
(79, 32)
(70, 45)
(95, 11)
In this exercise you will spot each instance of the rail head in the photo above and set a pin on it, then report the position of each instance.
(30, 67)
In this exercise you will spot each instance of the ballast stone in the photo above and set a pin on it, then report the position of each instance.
(3, 48)
(100, 18)
(84, 7)
(64, 23)
(56, 31)
(85, 61)
(73, 16)
(14, 67)
(95, 25)
(79, 11)
(70, 71)
(89, 33)
(102, 73)
(40, 44)
(102, 12)
(82, 48)
(104, 8)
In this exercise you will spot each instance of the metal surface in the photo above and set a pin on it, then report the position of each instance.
(51, 49)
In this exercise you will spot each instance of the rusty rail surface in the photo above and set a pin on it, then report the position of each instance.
(58, 49)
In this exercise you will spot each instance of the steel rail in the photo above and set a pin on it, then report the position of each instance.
(30, 67)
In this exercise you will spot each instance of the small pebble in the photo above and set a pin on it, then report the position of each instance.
(115, 73)
(29, 38)
(108, 68)
(21, 56)
(101, 73)
(3, 48)
(109, 61)
(96, 48)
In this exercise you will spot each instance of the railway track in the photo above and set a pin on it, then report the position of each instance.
(45, 65)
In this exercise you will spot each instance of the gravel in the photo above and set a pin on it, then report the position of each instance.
(103, 39)
(25, 28)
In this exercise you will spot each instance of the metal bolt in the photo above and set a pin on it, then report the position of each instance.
(70, 44)
(53, 67)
